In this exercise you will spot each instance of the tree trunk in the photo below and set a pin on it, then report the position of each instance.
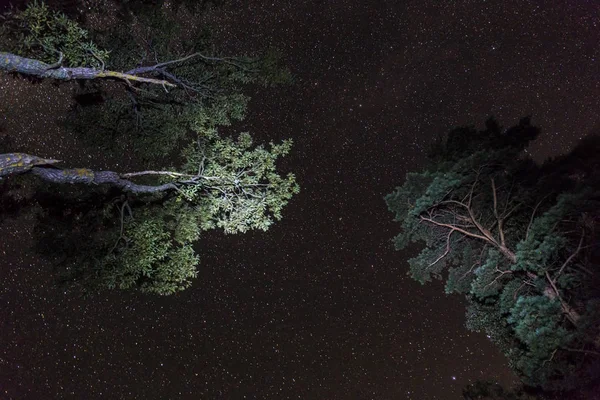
(28, 66)
(89, 177)
(21, 163)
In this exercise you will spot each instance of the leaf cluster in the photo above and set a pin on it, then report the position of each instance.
(154, 122)
(154, 253)
(242, 189)
(46, 35)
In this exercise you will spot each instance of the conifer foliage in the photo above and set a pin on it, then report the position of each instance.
(518, 240)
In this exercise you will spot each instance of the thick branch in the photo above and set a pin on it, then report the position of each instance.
(27, 66)
(485, 234)
(89, 177)
(552, 292)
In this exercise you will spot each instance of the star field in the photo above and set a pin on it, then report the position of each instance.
(320, 306)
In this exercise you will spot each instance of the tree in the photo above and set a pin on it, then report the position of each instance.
(155, 83)
(140, 226)
(518, 239)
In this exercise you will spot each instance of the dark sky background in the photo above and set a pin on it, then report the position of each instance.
(320, 306)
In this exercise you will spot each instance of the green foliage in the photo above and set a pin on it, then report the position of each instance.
(511, 234)
(487, 281)
(154, 122)
(154, 253)
(150, 250)
(459, 273)
(488, 319)
(40, 33)
(145, 242)
(243, 190)
(543, 244)
(537, 323)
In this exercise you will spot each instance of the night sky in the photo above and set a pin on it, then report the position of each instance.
(320, 306)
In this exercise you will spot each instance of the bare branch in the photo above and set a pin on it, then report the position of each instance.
(445, 252)
(506, 215)
(518, 290)
(122, 211)
(570, 313)
(149, 172)
(143, 70)
(533, 215)
(27, 66)
(596, 353)
(56, 64)
(449, 226)
(512, 185)
(502, 273)
(568, 260)
(499, 220)
(469, 197)
(474, 220)
(551, 357)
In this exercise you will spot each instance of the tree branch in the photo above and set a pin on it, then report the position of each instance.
(450, 226)
(27, 66)
(89, 177)
(582, 351)
(122, 211)
(532, 216)
(151, 68)
(149, 172)
(445, 252)
(568, 260)
(498, 219)
(571, 314)
(484, 232)
(502, 273)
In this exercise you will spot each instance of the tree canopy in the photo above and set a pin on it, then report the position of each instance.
(518, 240)
(163, 93)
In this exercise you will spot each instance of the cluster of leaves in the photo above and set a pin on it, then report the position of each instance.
(98, 240)
(46, 35)
(152, 121)
(154, 252)
(146, 242)
(510, 235)
(243, 190)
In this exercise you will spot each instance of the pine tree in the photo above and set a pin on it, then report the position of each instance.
(518, 240)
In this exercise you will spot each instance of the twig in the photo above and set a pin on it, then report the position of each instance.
(568, 311)
(533, 214)
(56, 64)
(125, 204)
(445, 252)
(571, 256)
(582, 351)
